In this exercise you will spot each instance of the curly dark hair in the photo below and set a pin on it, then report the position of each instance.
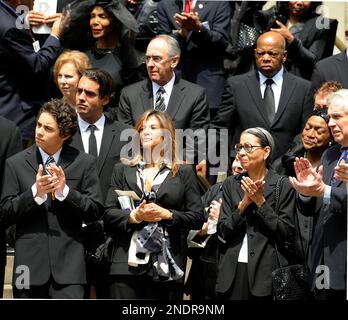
(65, 116)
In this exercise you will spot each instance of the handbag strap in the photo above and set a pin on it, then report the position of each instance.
(276, 209)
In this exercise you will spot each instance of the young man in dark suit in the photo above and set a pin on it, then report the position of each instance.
(95, 92)
(49, 189)
(323, 195)
(24, 67)
(10, 144)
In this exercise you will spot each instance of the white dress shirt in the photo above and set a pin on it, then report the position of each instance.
(276, 86)
(168, 87)
(85, 132)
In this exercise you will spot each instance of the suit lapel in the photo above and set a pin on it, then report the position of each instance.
(33, 158)
(131, 177)
(67, 156)
(287, 91)
(146, 97)
(176, 98)
(108, 137)
(76, 141)
(253, 85)
(330, 165)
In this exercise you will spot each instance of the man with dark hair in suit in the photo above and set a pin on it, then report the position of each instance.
(24, 66)
(267, 97)
(184, 101)
(323, 195)
(334, 68)
(101, 137)
(49, 189)
(10, 144)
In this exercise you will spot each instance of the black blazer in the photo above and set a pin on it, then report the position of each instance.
(10, 144)
(23, 73)
(49, 236)
(242, 107)
(329, 243)
(187, 104)
(334, 68)
(262, 225)
(202, 52)
(109, 153)
(179, 194)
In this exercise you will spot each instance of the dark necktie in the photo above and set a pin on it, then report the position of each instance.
(50, 161)
(268, 99)
(344, 157)
(160, 103)
(93, 150)
(188, 5)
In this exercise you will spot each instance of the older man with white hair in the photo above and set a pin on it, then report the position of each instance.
(324, 195)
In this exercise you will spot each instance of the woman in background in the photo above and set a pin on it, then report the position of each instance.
(67, 72)
(110, 29)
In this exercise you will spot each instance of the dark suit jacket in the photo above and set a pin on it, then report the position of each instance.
(109, 154)
(23, 73)
(48, 237)
(187, 104)
(262, 225)
(312, 45)
(334, 68)
(202, 52)
(329, 243)
(10, 143)
(242, 107)
(179, 194)
(187, 107)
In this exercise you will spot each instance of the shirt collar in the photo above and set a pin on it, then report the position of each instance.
(45, 155)
(167, 87)
(277, 78)
(84, 125)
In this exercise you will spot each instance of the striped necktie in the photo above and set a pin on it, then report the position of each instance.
(160, 103)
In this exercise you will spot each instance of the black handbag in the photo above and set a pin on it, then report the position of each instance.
(289, 282)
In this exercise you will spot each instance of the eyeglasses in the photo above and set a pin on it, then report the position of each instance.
(156, 59)
(246, 146)
(272, 54)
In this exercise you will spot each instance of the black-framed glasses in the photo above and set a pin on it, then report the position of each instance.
(248, 147)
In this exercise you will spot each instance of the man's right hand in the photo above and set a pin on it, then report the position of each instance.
(44, 183)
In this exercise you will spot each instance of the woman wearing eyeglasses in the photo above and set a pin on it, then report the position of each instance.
(248, 226)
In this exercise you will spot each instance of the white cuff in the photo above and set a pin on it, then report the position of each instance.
(38, 200)
(62, 196)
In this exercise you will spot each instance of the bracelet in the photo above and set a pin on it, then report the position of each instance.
(133, 216)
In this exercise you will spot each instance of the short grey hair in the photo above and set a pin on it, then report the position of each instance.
(266, 140)
(339, 97)
(173, 44)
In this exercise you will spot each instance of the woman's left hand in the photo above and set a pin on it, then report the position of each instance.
(254, 190)
(284, 31)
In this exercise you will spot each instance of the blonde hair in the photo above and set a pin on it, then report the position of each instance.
(166, 124)
(79, 59)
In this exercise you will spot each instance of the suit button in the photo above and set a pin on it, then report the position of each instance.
(252, 254)
(251, 236)
(306, 226)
